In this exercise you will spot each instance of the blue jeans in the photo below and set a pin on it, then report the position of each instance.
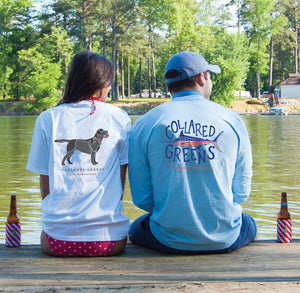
(141, 234)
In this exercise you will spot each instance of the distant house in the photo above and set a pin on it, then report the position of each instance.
(290, 87)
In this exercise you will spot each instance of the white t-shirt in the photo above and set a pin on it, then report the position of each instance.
(81, 150)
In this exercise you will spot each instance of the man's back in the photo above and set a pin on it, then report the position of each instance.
(190, 166)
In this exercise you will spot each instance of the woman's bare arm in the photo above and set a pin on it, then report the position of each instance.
(44, 185)
(123, 177)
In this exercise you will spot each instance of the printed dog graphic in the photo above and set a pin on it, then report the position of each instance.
(89, 146)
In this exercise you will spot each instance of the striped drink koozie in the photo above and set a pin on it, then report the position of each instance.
(284, 222)
(13, 234)
(13, 225)
(284, 230)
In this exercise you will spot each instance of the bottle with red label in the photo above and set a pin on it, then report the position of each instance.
(284, 222)
(13, 225)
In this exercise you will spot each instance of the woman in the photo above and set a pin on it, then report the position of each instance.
(80, 148)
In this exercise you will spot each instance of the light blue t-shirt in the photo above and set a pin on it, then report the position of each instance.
(190, 165)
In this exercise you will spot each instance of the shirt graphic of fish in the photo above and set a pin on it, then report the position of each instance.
(190, 141)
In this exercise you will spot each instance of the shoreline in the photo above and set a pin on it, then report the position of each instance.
(242, 107)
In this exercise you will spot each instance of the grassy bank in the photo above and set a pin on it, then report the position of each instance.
(136, 106)
(241, 106)
(9, 107)
(139, 106)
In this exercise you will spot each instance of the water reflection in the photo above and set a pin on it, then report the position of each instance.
(276, 162)
(276, 158)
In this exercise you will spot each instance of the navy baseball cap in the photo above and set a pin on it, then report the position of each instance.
(189, 64)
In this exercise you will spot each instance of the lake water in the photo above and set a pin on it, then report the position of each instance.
(276, 156)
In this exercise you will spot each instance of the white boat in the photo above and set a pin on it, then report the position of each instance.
(278, 110)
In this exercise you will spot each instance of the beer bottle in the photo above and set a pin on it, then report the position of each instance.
(284, 222)
(13, 225)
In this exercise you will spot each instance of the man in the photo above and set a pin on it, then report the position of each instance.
(190, 168)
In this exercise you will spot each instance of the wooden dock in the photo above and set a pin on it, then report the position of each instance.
(263, 266)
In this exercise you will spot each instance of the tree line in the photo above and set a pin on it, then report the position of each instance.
(255, 51)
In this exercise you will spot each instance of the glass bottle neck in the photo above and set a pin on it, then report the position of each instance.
(13, 204)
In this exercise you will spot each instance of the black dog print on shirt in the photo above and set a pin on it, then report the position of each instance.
(88, 146)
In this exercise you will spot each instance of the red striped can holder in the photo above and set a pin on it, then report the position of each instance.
(13, 234)
(284, 230)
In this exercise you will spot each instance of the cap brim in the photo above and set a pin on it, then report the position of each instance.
(214, 68)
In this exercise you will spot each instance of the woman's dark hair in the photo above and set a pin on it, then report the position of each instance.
(88, 73)
(177, 86)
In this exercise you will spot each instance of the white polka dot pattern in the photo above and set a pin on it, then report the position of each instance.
(71, 248)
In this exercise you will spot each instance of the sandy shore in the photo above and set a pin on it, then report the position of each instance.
(247, 107)
(244, 107)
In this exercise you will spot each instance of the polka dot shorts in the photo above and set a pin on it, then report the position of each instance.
(87, 248)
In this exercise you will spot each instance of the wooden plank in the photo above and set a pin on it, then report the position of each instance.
(263, 262)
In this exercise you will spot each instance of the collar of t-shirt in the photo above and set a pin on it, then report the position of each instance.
(187, 93)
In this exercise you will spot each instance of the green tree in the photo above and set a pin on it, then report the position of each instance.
(151, 13)
(277, 25)
(43, 67)
(119, 17)
(133, 45)
(182, 27)
(140, 36)
(79, 18)
(256, 18)
(19, 39)
(11, 13)
(236, 3)
(292, 12)
(283, 51)
(232, 55)
(41, 75)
